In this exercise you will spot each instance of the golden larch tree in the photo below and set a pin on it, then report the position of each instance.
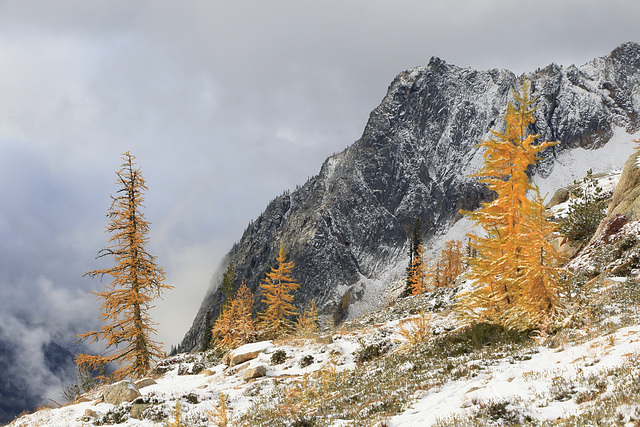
(235, 326)
(136, 281)
(307, 322)
(452, 262)
(419, 273)
(277, 292)
(502, 249)
(539, 272)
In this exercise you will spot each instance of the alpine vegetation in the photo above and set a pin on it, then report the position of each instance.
(516, 267)
(136, 281)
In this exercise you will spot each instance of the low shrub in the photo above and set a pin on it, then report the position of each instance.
(278, 357)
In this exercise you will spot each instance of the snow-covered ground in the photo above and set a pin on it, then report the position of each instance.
(531, 384)
(539, 382)
(201, 392)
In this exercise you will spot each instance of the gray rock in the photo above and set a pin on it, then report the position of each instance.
(325, 339)
(626, 197)
(144, 382)
(255, 372)
(560, 196)
(566, 248)
(237, 359)
(123, 391)
(90, 413)
(246, 352)
(413, 160)
(137, 409)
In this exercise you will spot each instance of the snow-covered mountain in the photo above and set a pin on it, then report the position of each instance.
(346, 229)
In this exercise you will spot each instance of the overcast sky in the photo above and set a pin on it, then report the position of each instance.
(225, 104)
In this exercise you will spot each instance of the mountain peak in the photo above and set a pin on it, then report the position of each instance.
(346, 229)
(628, 53)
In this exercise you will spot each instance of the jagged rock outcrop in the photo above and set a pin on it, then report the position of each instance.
(614, 247)
(626, 197)
(351, 222)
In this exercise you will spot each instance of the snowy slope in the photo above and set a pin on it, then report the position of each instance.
(532, 386)
(588, 372)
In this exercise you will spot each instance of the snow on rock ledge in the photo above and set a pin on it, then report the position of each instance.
(246, 352)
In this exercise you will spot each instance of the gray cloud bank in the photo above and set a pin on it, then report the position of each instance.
(225, 104)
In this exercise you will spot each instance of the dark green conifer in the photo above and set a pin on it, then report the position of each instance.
(228, 286)
(587, 210)
(208, 335)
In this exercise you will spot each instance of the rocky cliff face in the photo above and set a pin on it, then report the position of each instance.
(351, 221)
(626, 197)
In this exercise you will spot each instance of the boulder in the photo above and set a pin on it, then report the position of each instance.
(123, 391)
(144, 382)
(560, 196)
(137, 409)
(254, 372)
(325, 339)
(566, 247)
(245, 353)
(626, 197)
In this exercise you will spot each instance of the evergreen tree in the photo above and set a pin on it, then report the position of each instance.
(136, 282)
(228, 287)
(587, 210)
(207, 336)
(277, 291)
(502, 252)
(235, 326)
(416, 238)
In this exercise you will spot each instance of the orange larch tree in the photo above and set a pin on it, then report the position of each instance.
(419, 273)
(452, 262)
(235, 326)
(501, 250)
(136, 282)
(539, 272)
(277, 292)
(307, 322)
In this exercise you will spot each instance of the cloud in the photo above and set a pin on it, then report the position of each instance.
(35, 369)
